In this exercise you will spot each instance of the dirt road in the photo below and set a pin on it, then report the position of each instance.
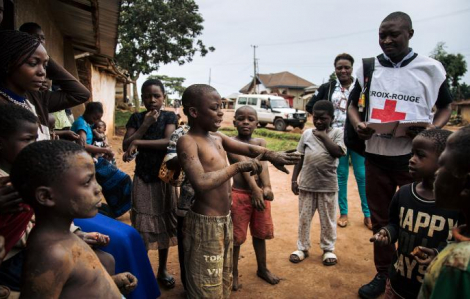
(308, 279)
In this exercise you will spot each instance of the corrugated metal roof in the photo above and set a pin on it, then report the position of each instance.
(91, 25)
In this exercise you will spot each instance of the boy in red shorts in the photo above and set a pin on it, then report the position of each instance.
(251, 196)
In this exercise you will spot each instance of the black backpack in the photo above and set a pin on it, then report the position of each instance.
(351, 139)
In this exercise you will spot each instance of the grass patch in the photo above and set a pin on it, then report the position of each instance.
(275, 141)
(121, 117)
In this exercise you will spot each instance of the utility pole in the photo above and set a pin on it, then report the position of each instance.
(210, 70)
(254, 68)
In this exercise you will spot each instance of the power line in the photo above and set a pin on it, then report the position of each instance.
(359, 32)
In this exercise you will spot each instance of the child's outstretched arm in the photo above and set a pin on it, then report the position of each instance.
(278, 159)
(204, 181)
(334, 149)
(45, 272)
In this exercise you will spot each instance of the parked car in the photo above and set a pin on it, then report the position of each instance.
(273, 110)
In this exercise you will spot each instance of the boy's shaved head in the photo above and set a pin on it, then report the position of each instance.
(192, 95)
(41, 164)
(438, 137)
(400, 16)
(246, 108)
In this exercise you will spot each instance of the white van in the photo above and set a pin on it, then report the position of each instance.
(273, 109)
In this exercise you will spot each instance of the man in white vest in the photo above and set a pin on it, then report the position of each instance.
(403, 86)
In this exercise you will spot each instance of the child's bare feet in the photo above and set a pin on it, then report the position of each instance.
(267, 276)
(236, 285)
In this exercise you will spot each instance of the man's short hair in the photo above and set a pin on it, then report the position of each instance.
(193, 95)
(400, 16)
(438, 137)
(41, 163)
(324, 105)
(344, 56)
(246, 108)
(11, 117)
(93, 107)
(30, 27)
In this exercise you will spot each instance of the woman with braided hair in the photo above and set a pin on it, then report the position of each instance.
(23, 63)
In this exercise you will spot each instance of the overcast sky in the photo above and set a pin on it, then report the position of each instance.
(304, 36)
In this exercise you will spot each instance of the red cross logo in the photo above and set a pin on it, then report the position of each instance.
(388, 113)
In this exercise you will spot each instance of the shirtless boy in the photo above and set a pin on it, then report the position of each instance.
(208, 237)
(251, 198)
(57, 178)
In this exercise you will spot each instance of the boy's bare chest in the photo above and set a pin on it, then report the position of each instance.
(212, 154)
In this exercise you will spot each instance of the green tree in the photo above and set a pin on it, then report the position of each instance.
(173, 85)
(465, 91)
(158, 32)
(455, 66)
(333, 76)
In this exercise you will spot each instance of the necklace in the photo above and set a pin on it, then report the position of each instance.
(10, 99)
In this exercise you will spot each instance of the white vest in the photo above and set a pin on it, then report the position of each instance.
(405, 93)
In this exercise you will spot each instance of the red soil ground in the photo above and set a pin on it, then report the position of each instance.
(308, 279)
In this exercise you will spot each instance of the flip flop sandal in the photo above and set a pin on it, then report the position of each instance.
(342, 222)
(329, 255)
(167, 282)
(298, 256)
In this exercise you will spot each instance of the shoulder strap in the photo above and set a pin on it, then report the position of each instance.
(368, 65)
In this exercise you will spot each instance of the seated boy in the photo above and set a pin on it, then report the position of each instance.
(208, 238)
(248, 200)
(57, 178)
(448, 276)
(414, 219)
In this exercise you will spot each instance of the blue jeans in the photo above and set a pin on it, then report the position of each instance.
(360, 174)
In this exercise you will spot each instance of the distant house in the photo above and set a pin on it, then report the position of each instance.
(305, 97)
(82, 37)
(463, 108)
(285, 84)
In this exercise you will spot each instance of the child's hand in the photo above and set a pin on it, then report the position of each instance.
(320, 134)
(69, 135)
(126, 282)
(423, 255)
(130, 154)
(295, 187)
(257, 200)
(380, 238)
(9, 199)
(253, 165)
(279, 159)
(151, 117)
(94, 239)
(268, 193)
